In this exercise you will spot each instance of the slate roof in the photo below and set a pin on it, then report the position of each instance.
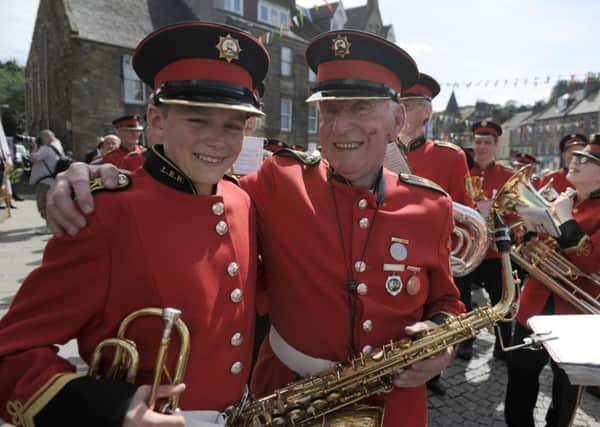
(591, 104)
(554, 113)
(125, 22)
(516, 120)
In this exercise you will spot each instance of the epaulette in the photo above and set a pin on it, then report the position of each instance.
(421, 182)
(447, 144)
(123, 183)
(232, 178)
(309, 159)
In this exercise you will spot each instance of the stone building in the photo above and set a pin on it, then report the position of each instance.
(79, 76)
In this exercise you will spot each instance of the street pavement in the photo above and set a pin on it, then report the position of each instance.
(475, 389)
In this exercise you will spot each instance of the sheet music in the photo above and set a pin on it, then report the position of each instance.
(576, 350)
(538, 219)
(251, 156)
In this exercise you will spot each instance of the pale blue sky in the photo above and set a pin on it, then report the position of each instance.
(455, 41)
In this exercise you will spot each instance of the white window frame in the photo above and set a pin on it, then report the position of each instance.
(287, 61)
(134, 91)
(286, 115)
(313, 118)
(229, 5)
(276, 15)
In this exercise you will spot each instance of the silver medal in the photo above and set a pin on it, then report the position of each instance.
(393, 285)
(398, 251)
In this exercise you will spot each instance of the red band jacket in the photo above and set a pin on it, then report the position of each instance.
(443, 163)
(348, 269)
(487, 181)
(156, 244)
(580, 243)
(116, 157)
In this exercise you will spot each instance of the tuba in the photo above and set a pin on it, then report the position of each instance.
(470, 235)
(330, 399)
(541, 257)
(125, 361)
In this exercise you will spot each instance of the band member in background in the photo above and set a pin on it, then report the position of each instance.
(524, 159)
(580, 243)
(488, 177)
(442, 162)
(373, 264)
(201, 260)
(567, 145)
(129, 129)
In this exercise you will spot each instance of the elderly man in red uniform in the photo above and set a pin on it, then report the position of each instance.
(487, 177)
(129, 129)
(374, 271)
(200, 257)
(354, 254)
(442, 162)
(567, 145)
(579, 242)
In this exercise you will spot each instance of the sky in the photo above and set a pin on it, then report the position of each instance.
(484, 50)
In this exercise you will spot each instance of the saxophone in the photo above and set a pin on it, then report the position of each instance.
(330, 399)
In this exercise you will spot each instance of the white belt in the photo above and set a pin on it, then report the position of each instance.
(303, 364)
(204, 418)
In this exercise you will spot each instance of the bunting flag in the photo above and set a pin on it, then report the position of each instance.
(571, 79)
(329, 6)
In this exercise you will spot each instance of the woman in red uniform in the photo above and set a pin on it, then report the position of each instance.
(580, 243)
(179, 235)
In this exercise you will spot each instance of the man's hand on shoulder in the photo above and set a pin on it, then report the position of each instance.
(64, 215)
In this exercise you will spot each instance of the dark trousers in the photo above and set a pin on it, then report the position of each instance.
(524, 368)
(489, 276)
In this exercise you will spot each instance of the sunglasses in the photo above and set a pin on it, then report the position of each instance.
(582, 160)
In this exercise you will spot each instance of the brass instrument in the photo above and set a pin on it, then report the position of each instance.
(125, 361)
(329, 399)
(542, 258)
(472, 241)
(470, 229)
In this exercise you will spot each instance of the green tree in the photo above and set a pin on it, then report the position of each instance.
(12, 96)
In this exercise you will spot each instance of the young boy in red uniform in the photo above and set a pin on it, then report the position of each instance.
(178, 235)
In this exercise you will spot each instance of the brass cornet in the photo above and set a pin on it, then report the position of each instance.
(125, 361)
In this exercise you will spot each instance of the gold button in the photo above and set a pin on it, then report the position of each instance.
(362, 289)
(360, 266)
(236, 339)
(367, 325)
(236, 368)
(218, 208)
(367, 349)
(233, 269)
(363, 223)
(236, 295)
(221, 228)
(575, 210)
(362, 203)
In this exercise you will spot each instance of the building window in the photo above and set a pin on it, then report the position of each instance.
(313, 121)
(286, 61)
(235, 6)
(312, 77)
(286, 114)
(273, 15)
(133, 87)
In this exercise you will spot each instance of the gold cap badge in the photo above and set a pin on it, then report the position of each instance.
(341, 46)
(229, 48)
